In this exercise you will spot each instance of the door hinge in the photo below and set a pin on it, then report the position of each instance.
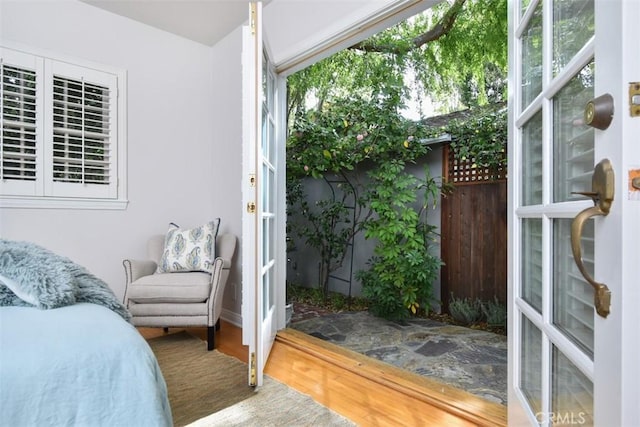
(252, 18)
(252, 374)
(634, 99)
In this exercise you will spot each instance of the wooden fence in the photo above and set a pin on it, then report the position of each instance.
(474, 232)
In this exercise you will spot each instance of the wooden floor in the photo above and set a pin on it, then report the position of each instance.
(228, 338)
(366, 391)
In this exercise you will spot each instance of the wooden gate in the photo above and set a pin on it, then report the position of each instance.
(474, 232)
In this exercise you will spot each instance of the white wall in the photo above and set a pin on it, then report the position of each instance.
(176, 154)
(227, 173)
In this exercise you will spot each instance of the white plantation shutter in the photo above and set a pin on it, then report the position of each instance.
(82, 128)
(18, 123)
(81, 137)
(21, 138)
(62, 133)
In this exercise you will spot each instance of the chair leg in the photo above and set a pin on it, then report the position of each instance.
(218, 325)
(211, 336)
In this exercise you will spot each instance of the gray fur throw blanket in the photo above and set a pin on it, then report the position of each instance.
(31, 275)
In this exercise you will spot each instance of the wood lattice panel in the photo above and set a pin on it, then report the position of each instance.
(466, 172)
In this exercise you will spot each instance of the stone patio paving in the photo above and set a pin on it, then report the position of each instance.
(470, 359)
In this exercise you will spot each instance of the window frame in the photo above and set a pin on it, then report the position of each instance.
(41, 197)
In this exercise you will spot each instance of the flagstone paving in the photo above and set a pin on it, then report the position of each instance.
(470, 359)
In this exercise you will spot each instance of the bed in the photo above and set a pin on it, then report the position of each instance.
(71, 360)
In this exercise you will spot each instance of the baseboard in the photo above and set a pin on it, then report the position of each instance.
(231, 317)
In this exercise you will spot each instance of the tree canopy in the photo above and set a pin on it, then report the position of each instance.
(454, 53)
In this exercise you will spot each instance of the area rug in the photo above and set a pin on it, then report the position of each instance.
(199, 382)
(208, 388)
(274, 405)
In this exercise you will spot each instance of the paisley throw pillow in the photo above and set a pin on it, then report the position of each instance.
(189, 250)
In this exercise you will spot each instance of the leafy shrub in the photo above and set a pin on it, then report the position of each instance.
(398, 286)
(495, 313)
(398, 282)
(465, 310)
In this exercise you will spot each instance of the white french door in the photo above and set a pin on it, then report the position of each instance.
(263, 250)
(568, 364)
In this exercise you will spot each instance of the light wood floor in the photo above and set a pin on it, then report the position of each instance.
(366, 391)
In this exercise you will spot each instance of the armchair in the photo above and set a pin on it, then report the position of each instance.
(178, 299)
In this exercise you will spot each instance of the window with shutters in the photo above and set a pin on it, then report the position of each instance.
(62, 141)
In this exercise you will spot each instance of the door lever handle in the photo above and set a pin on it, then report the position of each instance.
(602, 183)
(602, 298)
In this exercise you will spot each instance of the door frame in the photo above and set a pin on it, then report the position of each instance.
(619, 268)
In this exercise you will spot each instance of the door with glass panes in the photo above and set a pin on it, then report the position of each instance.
(570, 67)
(263, 253)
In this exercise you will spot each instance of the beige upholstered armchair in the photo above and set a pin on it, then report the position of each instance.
(178, 299)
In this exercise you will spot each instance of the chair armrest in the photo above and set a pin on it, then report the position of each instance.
(219, 276)
(135, 269)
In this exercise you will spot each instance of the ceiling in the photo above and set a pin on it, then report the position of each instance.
(203, 21)
(316, 28)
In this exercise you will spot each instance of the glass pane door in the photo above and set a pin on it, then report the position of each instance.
(267, 188)
(263, 254)
(568, 364)
(553, 316)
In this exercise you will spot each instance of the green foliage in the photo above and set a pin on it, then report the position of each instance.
(471, 53)
(345, 135)
(355, 122)
(353, 130)
(349, 131)
(312, 296)
(335, 301)
(334, 141)
(465, 67)
(398, 282)
(352, 133)
(482, 138)
(326, 226)
(465, 310)
(495, 313)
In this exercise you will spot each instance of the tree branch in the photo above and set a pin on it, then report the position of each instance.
(439, 29)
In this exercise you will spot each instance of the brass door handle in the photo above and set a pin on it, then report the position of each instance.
(602, 297)
(602, 183)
